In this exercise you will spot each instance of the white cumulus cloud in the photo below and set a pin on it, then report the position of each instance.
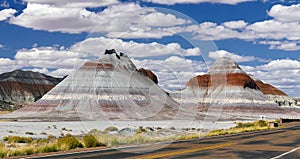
(7, 13)
(236, 24)
(282, 64)
(96, 46)
(115, 19)
(172, 2)
(75, 3)
(223, 53)
(285, 13)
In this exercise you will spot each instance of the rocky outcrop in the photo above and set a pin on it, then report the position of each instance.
(274, 94)
(234, 79)
(268, 89)
(149, 73)
(20, 87)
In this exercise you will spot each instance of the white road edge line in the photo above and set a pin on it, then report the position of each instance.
(286, 153)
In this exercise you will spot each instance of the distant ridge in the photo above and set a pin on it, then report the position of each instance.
(21, 87)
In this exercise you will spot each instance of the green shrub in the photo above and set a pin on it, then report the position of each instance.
(48, 148)
(261, 123)
(49, 137)
(90, 141)
(5, 138)
(3, 153)
(43, 133)
(244, 125)
(28, 151)
(68, 142)
(14, 153)
(111, 128)
(18, 139)
(141, 129)
(29, 133)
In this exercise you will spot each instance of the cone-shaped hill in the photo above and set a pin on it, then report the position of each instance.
(225, 83)
(110, 88)
(228, 92)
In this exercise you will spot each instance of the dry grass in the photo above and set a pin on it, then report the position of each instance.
(5, 111)
(12, 146)
(241, 127)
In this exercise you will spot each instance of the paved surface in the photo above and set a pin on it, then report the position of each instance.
(279, 143)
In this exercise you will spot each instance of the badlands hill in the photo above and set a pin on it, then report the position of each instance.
(110, 88)
(21, 87)
(227, 92)
(224, 83)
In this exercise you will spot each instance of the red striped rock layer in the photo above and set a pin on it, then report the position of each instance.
(109, 88)
(21, 87)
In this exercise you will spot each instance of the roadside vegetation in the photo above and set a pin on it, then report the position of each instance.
(242, 127)
(18, 146)
(5, 111)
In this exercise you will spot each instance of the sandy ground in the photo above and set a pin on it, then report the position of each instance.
(43, 129)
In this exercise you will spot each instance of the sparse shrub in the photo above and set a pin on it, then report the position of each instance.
(48, 148)
(3, 154)
(68, 143)
(49, 137)
(90, 141)
(14, 153)
(3, 151)
(43, 133)
(5, 138)
(111, 128)
(141, 130)
(149, 128)
(114, 141)
(28, 151)
(29, 133)
(244, 125)
(95, 131)
(19, 139)
(261, 123)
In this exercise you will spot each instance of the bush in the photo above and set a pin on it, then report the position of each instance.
(261, 123)
(18, 139)
(29, 133)
(49, 137)
(68, 142)
(48, 148)
(3, 153)
(111, 128)
(5, 138)
(28, 151)
(14, 153)
(90, 141)
(141, 130)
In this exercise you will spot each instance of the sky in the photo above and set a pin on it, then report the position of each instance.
(177, 39)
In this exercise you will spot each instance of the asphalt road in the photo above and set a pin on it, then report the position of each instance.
(278, 143)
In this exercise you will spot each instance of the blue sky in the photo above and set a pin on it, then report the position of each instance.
(177, 39)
